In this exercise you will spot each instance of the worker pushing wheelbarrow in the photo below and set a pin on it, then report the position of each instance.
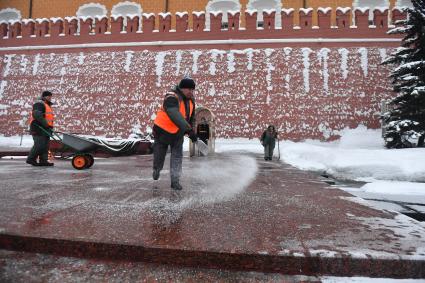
(81, 149)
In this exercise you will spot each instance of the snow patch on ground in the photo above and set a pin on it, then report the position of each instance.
(358, 155)
(238, 144)
(327, 279)
(394, 188)
(15, 141)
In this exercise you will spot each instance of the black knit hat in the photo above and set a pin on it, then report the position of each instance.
(187, 83)
(46, 93)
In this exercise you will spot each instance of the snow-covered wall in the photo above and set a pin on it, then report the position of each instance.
(307, 92)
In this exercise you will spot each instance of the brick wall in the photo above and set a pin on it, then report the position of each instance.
(105, 84)
(306, 92)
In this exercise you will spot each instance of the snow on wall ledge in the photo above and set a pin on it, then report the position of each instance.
(306, 92)
(56, 31)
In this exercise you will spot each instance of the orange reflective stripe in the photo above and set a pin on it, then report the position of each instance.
(190, 108)
(48, 115)
(164, 122)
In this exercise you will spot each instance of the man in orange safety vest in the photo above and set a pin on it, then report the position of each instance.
(175, 119)
(41, 124)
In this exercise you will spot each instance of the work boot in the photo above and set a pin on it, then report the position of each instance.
(155, 174)
(45, 163)
(32, 162)
(176, 186)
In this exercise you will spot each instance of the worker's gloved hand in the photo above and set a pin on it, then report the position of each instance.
(192, 136)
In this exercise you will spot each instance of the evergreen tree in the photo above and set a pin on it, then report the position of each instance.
(406, 118)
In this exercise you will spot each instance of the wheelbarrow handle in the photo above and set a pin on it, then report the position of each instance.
(54, 135)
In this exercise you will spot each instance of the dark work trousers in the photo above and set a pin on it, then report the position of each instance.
(176, 159)
(40, 148)
(268, 151)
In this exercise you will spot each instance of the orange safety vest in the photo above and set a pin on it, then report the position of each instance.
(48, 115)
(164, 122)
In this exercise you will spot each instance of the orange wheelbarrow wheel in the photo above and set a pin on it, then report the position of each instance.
(80, 162)
(90, 160)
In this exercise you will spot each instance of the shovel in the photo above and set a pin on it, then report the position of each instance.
(202, 147)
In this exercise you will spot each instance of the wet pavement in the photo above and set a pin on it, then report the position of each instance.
(23, 267)
(236, 212)
(411, 206)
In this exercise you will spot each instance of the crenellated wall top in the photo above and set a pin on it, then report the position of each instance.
(151, 27)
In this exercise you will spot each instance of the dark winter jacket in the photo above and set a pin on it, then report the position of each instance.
(38, 111)
(269, 138)
(171, 107)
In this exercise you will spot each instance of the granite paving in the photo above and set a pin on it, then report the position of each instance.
(236, 212)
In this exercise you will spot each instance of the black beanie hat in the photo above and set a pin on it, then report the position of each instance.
(187, 83)
(46, 93)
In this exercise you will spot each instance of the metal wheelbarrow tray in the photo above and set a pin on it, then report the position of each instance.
(82, 149)
(82, 157)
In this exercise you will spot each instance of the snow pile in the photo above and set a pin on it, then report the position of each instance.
(358, 155)
(394, 188)
(239, 144)
(361, 138)
(15, 141)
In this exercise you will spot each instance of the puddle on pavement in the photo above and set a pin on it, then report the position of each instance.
(417, 216)
(406, 208)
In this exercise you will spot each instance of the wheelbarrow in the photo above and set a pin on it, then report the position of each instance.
(82, 157)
